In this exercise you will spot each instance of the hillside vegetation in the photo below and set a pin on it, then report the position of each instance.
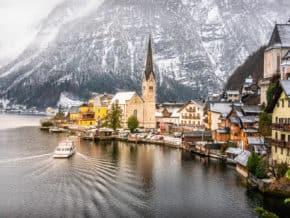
(253, 65)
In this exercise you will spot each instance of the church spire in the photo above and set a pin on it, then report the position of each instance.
(149, 61)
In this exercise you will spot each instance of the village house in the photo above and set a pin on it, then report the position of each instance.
(100, 103)
(86, 115)
(167, 115)
(237, 125)
(74, 114)
(92, 113)
(233, 95)
(278, 47)
(144, 107)
(192, 114)
(241, 163)
(250, 92)
(215, 111)
(248, 86)
(279, 106)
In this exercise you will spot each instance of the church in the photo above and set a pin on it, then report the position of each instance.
(143, 107)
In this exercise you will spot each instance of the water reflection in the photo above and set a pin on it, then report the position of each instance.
(112, 179)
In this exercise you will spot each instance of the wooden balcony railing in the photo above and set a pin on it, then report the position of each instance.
(191, 117)
(190, 110)
(279, 143)
(281, 127)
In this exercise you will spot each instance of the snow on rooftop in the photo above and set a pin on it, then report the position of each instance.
(256, 140)
(236, 151)
(222, 108)
(242, 158)
(122, 97)
(232, 92)
(249, 119)
(251, 109)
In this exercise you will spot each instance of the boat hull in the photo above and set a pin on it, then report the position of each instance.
(63, 155)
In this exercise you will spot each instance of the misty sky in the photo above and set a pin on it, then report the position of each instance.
(19, 21)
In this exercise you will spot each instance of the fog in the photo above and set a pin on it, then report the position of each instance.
(19, 21)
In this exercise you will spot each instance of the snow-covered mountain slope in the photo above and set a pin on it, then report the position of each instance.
(99, 46)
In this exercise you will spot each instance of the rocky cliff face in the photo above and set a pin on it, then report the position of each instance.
(89, 46)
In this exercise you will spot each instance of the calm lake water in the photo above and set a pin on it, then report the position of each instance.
(115, 180)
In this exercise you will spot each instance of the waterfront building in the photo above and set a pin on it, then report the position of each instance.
(167, 115)
(216, 111)
(191, 114)
(279, 107)
(277, 48)
(235, 123)
(144, 107)
(241, 163)
(101, 103)
(86, 115)
(74, 114)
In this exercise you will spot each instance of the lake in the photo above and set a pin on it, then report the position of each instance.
(115, 179)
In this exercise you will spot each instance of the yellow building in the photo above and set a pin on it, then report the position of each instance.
(100, 106)
(86, 115)
(279, 106)
(74, 114)
(91, 114)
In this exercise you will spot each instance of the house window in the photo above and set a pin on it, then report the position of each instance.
(288, 138)
(151, 87)
(283, 138)
(275, 149)
(288, 103)
(278, 103)
(282, 150)
(282, 102)
(276, 135)
(276, 119)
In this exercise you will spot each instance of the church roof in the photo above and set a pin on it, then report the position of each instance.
(122, 97)
(280, 36)
(149, 61)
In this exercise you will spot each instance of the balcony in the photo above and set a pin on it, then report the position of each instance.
(191, 117)
(279, 143)
(190, 110)
(281, 127)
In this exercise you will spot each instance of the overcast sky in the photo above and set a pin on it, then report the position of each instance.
(18, 24)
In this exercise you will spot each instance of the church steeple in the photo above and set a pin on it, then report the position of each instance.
(149, 61)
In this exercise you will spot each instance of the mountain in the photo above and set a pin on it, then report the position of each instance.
(86, 46)
(253, 65)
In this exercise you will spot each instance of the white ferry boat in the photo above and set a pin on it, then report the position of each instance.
(65, 149)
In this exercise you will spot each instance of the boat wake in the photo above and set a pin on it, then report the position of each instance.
(83, 156)
(24, 158)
